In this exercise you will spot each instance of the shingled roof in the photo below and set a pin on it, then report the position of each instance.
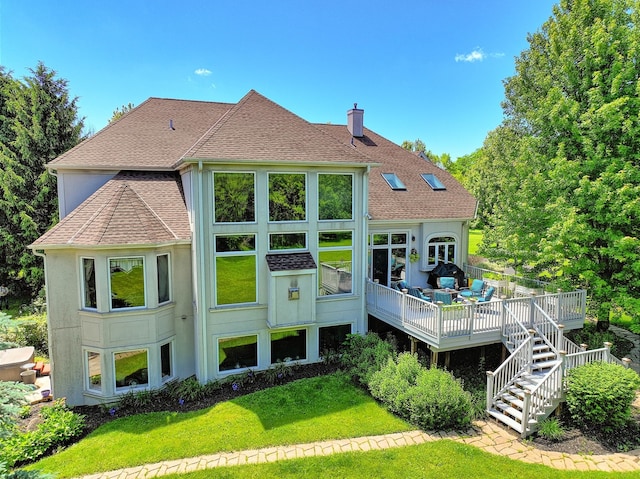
(418, 201)
(131, 209)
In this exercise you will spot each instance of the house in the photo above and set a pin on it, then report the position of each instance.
(207, 238)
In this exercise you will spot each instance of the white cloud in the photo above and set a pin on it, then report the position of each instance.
(476, 55)
(203, 72)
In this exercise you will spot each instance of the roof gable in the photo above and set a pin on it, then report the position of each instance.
(257, 129)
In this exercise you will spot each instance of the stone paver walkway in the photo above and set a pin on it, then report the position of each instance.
(486, 435)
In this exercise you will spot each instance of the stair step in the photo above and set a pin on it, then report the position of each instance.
(540, 347)
(515, 425)
(544, 364)
(543, 355)
(515, 401)
(509, 410)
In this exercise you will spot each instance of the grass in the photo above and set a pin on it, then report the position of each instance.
(436, 460)
(315, 409)
(475, 238)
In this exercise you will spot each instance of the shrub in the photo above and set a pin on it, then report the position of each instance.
(600, 395)
(188, 390)
(364, 355)
(32, 331)
(594, 339)
(551, 429)
(429, 398)
(59, 427)
(277, 372)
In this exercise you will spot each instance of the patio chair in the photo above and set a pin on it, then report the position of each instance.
(403, 285)
(487, 296)
(440, 296)
(447, 282)
(476, 289)
(418, 294)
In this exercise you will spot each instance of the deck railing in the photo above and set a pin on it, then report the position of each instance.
(504, 376)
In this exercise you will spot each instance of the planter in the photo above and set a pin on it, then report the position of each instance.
(499, 284)
(525, 291)
(28, 376)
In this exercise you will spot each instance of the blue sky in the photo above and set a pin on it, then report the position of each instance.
(430, 69)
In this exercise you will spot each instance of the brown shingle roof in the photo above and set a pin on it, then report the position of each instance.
(132, 208)
(259, 129)
(290, 261)
(419, 201)
(143, 139)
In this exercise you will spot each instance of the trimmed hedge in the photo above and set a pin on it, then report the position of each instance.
(600, 395)
(429, 398)
(364, 355)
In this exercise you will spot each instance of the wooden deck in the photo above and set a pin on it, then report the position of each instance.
(465, 325)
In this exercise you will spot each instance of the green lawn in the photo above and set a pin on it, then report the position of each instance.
(475, 237)
(308, 410)
(436, 460)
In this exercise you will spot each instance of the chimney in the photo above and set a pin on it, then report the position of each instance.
(355, 121)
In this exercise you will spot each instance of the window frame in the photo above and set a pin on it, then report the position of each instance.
(429, 265)
(305, 247)
(433, 181)
(169, 283)
(84, 283)
(144, 282)
(352, 176)
(88, 376)
(229, 254)
(128, 387)
(241, 368)
(213, 199)
(324, 249)
(306, 197)
(165, 379)
(394, 181)
(284, 360)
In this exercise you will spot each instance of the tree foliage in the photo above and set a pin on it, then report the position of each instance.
(38, 122)
(120, 112)
(562, 179)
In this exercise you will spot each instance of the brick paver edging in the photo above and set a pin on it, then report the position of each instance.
(485, 435)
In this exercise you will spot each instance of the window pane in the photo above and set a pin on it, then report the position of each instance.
(335, 197)
(235, 243)
(431, 256)
(165, 361)
(433, 181)
(234, 197)
(399, 238)
(131, 368)
(332, 337)
(127, 282)
(380, 239)
(94, 367)
(89, 281)
(235, 279)
(335, 272)
(287, 197)
(237, 353)
(163, 278)
(332, 239)
(393, 181)
(289, 345)
(279, 241)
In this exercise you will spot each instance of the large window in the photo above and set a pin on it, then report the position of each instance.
(335, 255)
(89, 283)
(287, 197)
(131, 368)
(234, 197)
(331, 338)
(235, 269)
(290, 241)
(388, 257)
(335, 197)
(441, 249)
(127, 282)
(289, 345)
(237, 353)
(166, 364)
(94, 370)
(162, 264)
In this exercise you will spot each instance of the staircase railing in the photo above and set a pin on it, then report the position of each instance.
(543, 398)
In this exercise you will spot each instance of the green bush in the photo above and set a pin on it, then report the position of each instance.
(364, 355)
(600, 395)
(59, 427)
(594, 339)
(429, 398)
(32, 331)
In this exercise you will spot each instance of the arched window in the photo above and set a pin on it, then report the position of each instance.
(441, 249)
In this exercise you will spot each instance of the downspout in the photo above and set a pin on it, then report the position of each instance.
(201, 318)
(365, 250)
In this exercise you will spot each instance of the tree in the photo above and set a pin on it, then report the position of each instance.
(568, 182)
(39, 123)
(120, 112)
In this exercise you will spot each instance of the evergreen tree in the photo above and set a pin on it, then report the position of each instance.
(39, 122)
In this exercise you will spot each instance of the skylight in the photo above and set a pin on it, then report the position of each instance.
(433, 181)
(393, 181)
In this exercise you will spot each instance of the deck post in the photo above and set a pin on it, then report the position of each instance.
(404, 305)
(490, 380)
(434, 357)
(560, 338)
(525, 412)
(447, 359)
(414, 344)
(607, 351)
(626, 362)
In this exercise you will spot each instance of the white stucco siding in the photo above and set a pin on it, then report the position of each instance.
(76, 186)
